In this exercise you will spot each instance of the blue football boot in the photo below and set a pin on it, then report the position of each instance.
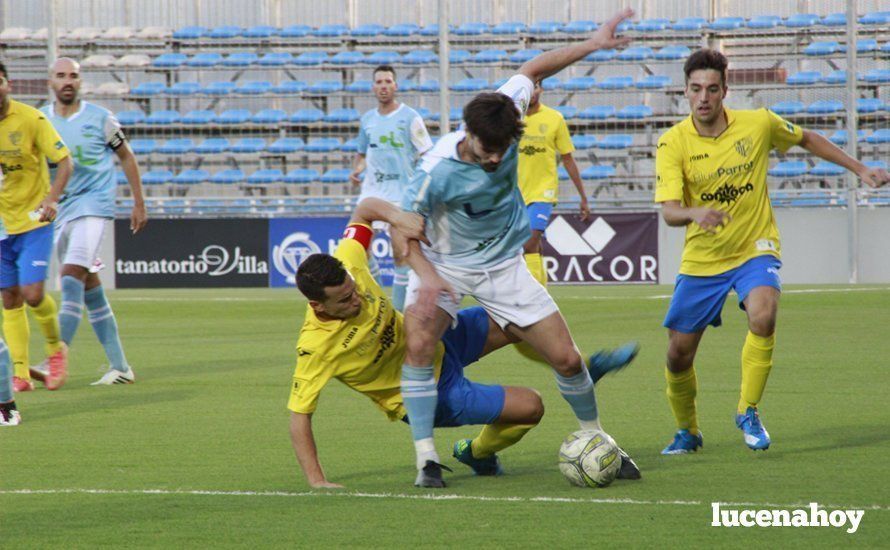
(605, 361)
(683, 443)
(756, 436)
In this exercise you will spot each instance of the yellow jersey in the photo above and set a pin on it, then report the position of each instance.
(27, 141)
(366, 352)
(725, 173)
(545, 135)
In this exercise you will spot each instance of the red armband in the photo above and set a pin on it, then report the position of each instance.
(361, 233)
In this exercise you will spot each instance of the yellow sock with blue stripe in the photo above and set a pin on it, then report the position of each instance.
(496, 437)
(757, 361)
(46, 313)
(682, 387)
(535, 264)
(18, 333)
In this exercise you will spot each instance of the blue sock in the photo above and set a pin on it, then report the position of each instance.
(577, 390)
(400, 287)
(71, 310)
(374, 268)
(5, 374)
(420, 396)
(105, 326)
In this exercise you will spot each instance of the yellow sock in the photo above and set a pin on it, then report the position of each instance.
(46, 313)
(757, 360)
(17, 333)
(535, 264)
(682, 388)
(495, 437)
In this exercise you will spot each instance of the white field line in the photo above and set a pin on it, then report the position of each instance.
(421, 496)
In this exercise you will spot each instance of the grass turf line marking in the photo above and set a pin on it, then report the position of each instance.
(419, 496)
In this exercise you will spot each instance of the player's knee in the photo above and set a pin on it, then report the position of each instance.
(535, 408)
(567, 363)
(420, 348)
(762, 324)
(679, 359)
(32, 297)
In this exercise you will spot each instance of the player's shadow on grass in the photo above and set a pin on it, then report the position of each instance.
(838, 437)
(106, 401)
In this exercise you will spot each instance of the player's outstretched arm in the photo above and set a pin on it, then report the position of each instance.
(138, 217)
(553, 61)
(371, 210)
(307, 455)
(824, 149)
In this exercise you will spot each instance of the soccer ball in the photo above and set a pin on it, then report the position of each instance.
(589, 459)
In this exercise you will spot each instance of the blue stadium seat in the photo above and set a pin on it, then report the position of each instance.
(179, 146)
(880, 136)
(402, 29)
(432, 30)
(472, 28)
(324, 87)
(578, 83)
(653, 82)
(301, 175)
(191, 177)
(269, 116)
(120, 177)
(634, 112)
(834, 20)
(839, 137)
(562, 174)
(545, 27)
(552, 83)
(219, 88)
(764, 22)
(295, 31)
(307, 116)
(470, 85)
(265, 176)
(577, 27)
(804, 78)
(567, 111)
(202, 116)
(330, 31)
(169, 60)
(651, 25)
(584, 141)
(727, 23)
(489, 56)
(190, 33)
(322, 145)
(383, 58)
(260, 31)
(877, 75)
(521, 56)
(601, 56)
(636, 53)
(254, 87)
(205, 59)
(822, 48)
(184, 88)
(347, 58)
(212, 146)
(624, 26)
(276, 59)
(309, 59)
(336, 175)
(366, 30)
(875, 18)
(351, 146)
(157, 177)
(597, 112)
(866, 105)
(673, 52)
(162, 118)
(836, 77)
(225, 31)
(787, 107)
(788, 169)
(424, 113)
(598, 172)
(825, 168)
(615, 141)
(290, 87)
(342, 115)
(456, 57)
(454, 114)
(824, 107)
(143, 146)
(509, 27)
(407, 85)
(128, 118)
(233, 116)
(363, 87)
(227, 177)
(689, 24)
(286, 145)
(800, 20)
(885, 49)
(864, 45)
(420, 57)
(431, 85)
(615, 83)
(149, 88)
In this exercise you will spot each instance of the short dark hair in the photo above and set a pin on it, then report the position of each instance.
(706, 59)
(318, 272)
(494, 119)
(384, 69)
(3, 70)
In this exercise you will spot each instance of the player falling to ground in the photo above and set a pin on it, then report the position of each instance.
(391, 137)
(711, 177)
(95, 136)
(353, 333)
(466, 187)
(28, 205)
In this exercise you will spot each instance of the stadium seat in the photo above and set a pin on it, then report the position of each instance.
(133, 60)
(801, 20)
(154, 33)
(112, 88)
(881, 164)
(178, 146)
(233, 116)
(330, 31)
(98, 60)
(191, 177)
(764, 22)
(787, 107)
(227, 177)
(567, 111)
(290, 87)
(224, 32)
(875, 18)
(834, 20)
(336, 175)
(727, 23)
(143, 146)
(867, 105)
(402, 30)
(276, 59)
(190, 33)
(864, 45)
(454, 114)
(322, 145)
(636, 53)
(301, 175)
(651, 25)
(597, 112)
(269, 116)
(653, 81)
(689, 24)
(307, 116)
(824, 168)
(788, 169)
(634, 112)
(260, 31)
(324, 87)
(839, 137)
(579, 83)
(804, 78)
(364, 86)
(877, 76)
(342, 115)
(615, 83)
(601, 56)
(489, 56)
(673, 52)
(836, 77)
(424, 113)
(577, 27)
(472, 28)
(407, 85)
(162, 118)
(201, 116)
(382, 58)
(551, 83)
(295, 31)
(286, 145)
(254, 87)
(562, 174)
(880, 136)
(205, 59)
(351, 146)
(824, 107)
(615, 141)
(128, 118)
(521, 56)
(212, 146)
(265, 176)
(822, 48)
(432, 30)
(509, 27)
(120, 177)
(470, 85)
(584, 141)
(545, 27)
(456, 57)
(157, 177)
(219, 88)
(431, 85)
(149, 88)
(15, 34)
(347, 58)
(184, 88)
(367, 30)
(420, 57)
(598, 172)
(309, 59)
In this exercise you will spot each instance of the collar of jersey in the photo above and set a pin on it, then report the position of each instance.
(52, 110)
(730, 118)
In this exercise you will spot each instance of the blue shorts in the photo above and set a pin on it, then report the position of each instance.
(539, 215)
(698, 301)
(24, 258)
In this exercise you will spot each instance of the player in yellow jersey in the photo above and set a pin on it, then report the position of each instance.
(711, 178)
(28, 205)
(352, 333)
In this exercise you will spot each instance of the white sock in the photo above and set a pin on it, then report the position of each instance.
(426, 450)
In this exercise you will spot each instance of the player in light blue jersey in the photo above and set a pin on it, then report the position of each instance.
(476, 224)
(391, 137)
(94, 137)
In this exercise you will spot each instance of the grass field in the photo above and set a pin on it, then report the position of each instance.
(196, 454)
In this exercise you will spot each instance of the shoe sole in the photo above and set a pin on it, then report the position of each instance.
(36, 374)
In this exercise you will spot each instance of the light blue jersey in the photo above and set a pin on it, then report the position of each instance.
(391, 144)
(92, 134)
(474, 219)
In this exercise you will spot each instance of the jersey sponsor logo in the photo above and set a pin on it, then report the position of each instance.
(303, 352)
(287, 256)
(392, 140)
(744, 146)
(15, 138)
(531, 150)
(720, 172)
(352, 332)
(82, 159)
(387, 338)
(7, 168)
(703, 156)
(662, 144)
(60, 145)
(542, 128)
(380, 176)
(728, 194)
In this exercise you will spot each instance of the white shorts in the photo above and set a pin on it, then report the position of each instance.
(78, 241)
(507, 291)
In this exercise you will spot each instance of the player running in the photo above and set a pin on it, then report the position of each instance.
(711, 177)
